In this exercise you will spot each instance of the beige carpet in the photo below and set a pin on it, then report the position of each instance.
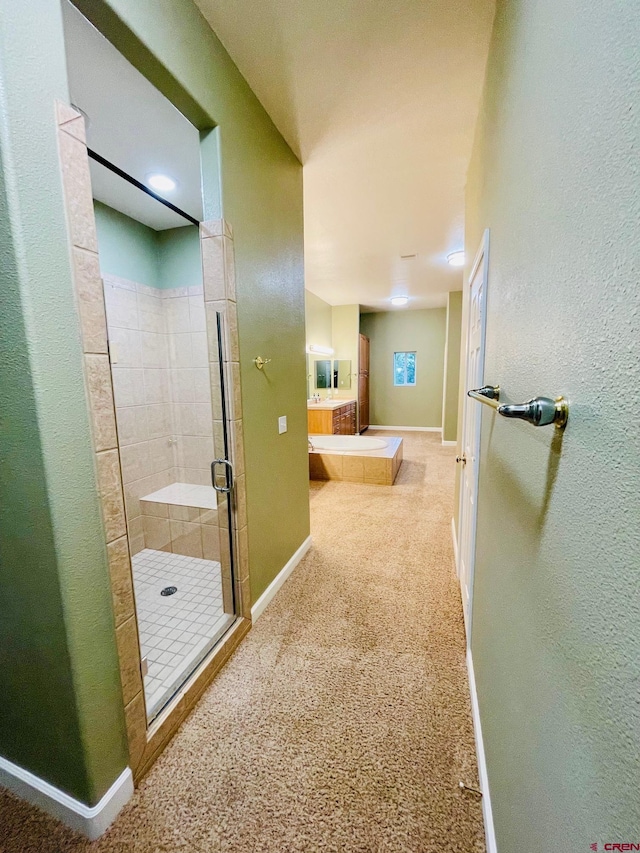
(343, 721)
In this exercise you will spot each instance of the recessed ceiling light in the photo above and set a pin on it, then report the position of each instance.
(456, 259)
(399, 300)
(162, 183)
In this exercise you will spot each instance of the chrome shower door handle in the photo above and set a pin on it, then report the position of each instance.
(228, 475)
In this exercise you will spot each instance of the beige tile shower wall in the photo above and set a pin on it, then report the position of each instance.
(90, 303)
(218, 268)
(140, 364)
(159, 358)
(189, 383)
(188, 530)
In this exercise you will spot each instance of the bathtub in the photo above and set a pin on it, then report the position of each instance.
(346, 443)
(355, 458)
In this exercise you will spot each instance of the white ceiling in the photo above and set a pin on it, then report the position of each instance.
(133, 126)
(379, 100)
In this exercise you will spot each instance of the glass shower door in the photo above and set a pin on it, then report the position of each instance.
(221, 466)
(167, 363)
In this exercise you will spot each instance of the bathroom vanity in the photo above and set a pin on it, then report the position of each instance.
(332, 417)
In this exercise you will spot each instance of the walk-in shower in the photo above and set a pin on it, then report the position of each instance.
(168, 383)
(166, 358)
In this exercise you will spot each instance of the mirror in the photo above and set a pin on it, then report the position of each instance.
(323, 373)
(342, 374)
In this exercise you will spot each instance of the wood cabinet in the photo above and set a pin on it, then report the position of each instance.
(363, 397)
(363, 354)
(338, 421)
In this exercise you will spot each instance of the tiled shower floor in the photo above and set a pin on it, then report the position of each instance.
(176, 631)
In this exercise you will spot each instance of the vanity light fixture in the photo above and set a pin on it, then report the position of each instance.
(456, 259)
(399, 300)
(161, 183)
(315, 349)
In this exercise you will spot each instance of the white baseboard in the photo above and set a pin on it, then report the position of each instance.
(406, 428)
(269, 593)
(449, 443)
(454, 537)
(90, 821)
(487, 812)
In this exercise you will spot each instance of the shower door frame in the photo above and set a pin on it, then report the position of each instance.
(146, 742)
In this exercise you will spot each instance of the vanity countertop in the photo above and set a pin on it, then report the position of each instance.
(329, 405)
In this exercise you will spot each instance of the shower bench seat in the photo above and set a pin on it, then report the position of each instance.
(182, 518)
(184, 494)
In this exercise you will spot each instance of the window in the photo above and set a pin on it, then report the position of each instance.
(404, 368)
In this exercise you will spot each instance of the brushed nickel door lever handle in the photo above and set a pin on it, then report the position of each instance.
(540, 411)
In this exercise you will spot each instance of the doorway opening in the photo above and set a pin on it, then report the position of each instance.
(166, 362)
(472, 419)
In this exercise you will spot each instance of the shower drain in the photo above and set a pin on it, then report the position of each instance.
(169, 590)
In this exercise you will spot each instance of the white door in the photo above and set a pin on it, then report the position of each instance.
(474, 378)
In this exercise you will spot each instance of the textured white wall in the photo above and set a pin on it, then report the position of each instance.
(556, 639)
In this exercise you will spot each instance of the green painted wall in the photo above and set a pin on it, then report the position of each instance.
(317, 320)
(345, 332)
(131, 250)
(60, 700)
(128, 248)
(556, 638)
(396, 331)
(452, 366)
(260, 179)
(318, 331)
(336, 326)
(179, 257)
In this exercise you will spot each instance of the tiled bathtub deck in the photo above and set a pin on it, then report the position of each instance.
(375, 467)
(176, 631)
